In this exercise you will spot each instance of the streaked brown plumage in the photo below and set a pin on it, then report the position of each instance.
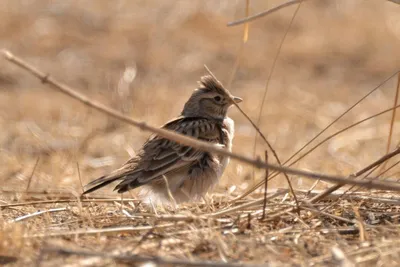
(190, 173)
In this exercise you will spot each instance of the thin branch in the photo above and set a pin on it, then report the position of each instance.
(261, 182)
(140, 258)
(272, 150)
(322, 213)
(379, 164)
(189, 141)
(354, 196)
(235, 68)
(265, 140)
(270, 76)
(263, 101)
(24, 217)
(263, 13)
(110, 230)
(79, 176)
(21, 204)
(333, 188)
(389, 141)
(360, 172)
(361, 225)
(32, 173)
(246, 205)
(346, 192)
(388, 169)
(334, 121)
(396, 98)
(272, 10)
(171, 197)
(265, 187)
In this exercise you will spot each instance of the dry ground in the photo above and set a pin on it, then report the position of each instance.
(143, 58)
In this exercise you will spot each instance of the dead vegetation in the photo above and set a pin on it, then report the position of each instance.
(343, 229)
(327, 76)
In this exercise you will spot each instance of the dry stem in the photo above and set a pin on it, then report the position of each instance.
(185, 140)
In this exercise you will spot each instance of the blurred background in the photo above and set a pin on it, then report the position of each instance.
(144, 58)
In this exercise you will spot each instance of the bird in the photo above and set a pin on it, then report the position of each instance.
(164, 168)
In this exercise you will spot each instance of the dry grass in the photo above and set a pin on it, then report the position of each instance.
(215, 230)
(332, 56)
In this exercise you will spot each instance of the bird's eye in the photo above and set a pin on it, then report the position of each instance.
(217, 98)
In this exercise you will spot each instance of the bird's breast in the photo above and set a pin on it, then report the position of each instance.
(227, 136)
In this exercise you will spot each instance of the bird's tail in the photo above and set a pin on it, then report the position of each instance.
(101, 182)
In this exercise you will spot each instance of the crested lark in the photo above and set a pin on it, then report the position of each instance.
(189, 173)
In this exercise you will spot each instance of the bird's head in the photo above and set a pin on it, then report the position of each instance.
(209, 100)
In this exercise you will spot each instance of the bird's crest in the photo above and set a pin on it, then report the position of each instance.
(210, 83)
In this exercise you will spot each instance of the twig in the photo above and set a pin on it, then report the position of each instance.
(263, 13)
(275, 60)
(360, 172)
(272, 150)
(144, 237)
(79, 176)
(370, 170)
(265, 187)
(185, 140)
(336, 133)
(171, 197)
(328, 215)
(110, 230)
(272, 10)
(32, 173)
(265, 140)
(235, 67)
(363, 232)
(395, 1)
(389, 141)
(396, 98)
(7, 259)
(246, 205)
(388, 169)
(63, 201)
(333, 188)
(36, 214)
(298, 218)
(241, 47)
(327, 138)
(246, 25)
(140, 258)
(261, 182)
(334, 121)
(357, 197)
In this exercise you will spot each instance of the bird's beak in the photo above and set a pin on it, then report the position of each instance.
(237, 99)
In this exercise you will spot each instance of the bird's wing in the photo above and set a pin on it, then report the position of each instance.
(159, 156)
